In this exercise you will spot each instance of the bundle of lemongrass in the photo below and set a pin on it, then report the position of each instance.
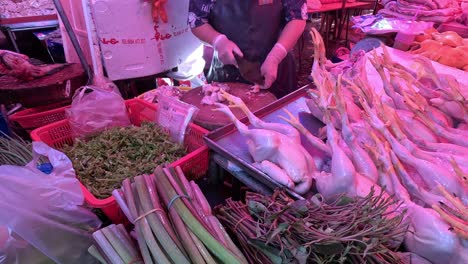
(14, 150)
(173, 221)
(114, 245)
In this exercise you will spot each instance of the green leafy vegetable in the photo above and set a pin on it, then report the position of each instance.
(278, 229)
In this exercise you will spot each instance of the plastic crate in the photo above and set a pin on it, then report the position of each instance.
(36, 117)
(194, 164)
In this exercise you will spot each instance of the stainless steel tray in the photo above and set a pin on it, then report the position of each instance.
(229, 143)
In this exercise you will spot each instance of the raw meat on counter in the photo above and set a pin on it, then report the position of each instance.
(165, 90)
(212, 93)
(20, 67)
(463, 18)
(447, 48)
(438, 11)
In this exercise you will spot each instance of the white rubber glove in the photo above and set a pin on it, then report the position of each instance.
(269, 67)
(226, 50)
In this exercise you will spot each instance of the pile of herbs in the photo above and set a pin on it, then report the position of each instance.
(278, 229)
(103, 161)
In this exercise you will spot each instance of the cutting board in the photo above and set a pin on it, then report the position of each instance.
(211, 120)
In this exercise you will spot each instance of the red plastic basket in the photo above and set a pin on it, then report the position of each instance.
(32, 118)
(330, 1)
(194, 164)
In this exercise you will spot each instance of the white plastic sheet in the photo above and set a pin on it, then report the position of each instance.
(378, 24)
(43, 213)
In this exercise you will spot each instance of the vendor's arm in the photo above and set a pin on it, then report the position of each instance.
(199, 11)
(291, 33)
(206, 33)
(296, 15)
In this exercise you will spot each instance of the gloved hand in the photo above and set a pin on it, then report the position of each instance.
(269, 67)
(226, 50)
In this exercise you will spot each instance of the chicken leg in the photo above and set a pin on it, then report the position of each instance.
(257, 122)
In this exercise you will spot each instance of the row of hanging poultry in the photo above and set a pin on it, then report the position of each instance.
(408, 138)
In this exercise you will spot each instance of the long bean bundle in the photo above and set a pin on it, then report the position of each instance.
(278, 229)
(104, 161)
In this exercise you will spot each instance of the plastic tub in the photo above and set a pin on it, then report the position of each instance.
(194, 164)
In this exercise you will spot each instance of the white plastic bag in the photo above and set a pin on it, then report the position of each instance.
(44, 212)
(96, 111)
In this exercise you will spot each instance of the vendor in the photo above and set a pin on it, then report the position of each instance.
(257, 30)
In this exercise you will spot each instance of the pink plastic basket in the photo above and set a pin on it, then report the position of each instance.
(194, 164)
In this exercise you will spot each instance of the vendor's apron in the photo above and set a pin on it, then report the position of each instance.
(255, 28)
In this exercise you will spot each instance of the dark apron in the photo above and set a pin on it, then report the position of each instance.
(255, 29)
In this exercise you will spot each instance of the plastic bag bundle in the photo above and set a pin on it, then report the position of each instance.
(43, 213)
(175, 116)
(95, 111)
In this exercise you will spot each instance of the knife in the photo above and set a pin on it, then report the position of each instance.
(250, 70)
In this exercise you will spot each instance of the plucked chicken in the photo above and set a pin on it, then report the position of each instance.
(429, 235)
(275, 148)
(447, 48)
(406, 138)
(411, 131)
(448, 38)
(433, 174)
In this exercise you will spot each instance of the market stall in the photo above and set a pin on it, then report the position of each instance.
(365, 163)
